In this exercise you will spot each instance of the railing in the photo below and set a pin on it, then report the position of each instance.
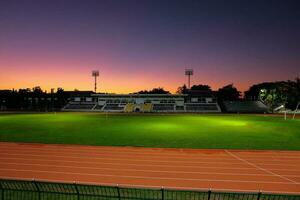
(40, 190)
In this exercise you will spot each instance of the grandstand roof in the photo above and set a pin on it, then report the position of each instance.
(139, 95)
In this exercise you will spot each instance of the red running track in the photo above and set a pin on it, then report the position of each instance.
(268, 171)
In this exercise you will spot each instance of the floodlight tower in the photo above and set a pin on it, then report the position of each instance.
(189, 73)
(95, 74)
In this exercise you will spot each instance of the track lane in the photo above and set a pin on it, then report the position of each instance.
(188, 168)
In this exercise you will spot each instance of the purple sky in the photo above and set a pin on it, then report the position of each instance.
(143, 44)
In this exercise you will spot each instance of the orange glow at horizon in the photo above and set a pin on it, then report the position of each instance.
(108, 81)
(115, 77)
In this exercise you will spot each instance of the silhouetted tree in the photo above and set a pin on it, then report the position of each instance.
(182, 90)
(60, 90)
(37, 89)
(201, 87)
(276, 93)
(228, 93)
(158, 90)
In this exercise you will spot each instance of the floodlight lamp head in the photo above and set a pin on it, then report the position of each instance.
(95, 73)
(189, 72)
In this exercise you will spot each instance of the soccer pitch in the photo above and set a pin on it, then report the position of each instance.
(153, 130)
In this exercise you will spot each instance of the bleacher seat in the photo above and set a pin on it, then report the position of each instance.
(179, 108)
(113, 107)
(163, 107)
(98, 107)
(147, 107)
(245, 107)
(80, 106)
(129, 107)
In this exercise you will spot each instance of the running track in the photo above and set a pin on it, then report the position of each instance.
(269, 171)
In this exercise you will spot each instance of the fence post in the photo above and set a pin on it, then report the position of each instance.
(2, 191)
(77, 191)
(258, 195)
(209, 193)
(37, 188)
(118, 189)
(162, 193)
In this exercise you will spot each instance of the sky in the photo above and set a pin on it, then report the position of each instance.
(141, 44)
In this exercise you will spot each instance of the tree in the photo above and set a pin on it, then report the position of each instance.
(276, 93)
(37, 89)
(60, 90)
(270, 97)
(228, 93)
(201, 87)
(182, 90)
(158, 90)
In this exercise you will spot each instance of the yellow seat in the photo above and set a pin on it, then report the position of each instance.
(147, 107)
(129, 107)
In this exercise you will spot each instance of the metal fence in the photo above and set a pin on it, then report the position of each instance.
(39, 190)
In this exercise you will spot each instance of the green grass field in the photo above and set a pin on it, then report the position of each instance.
(153, 130)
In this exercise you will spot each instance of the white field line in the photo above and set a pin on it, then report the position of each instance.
(138, 165)
(125, 154)
(143, 177)
(149, 150)
(263, 169)
(135, 160)
(142, 170)
(124, 151)
(139, 150)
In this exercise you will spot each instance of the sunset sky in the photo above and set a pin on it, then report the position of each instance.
(141, 44)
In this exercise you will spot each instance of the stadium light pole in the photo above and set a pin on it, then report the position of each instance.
(95, 74)
(294, 115)
(189, 73)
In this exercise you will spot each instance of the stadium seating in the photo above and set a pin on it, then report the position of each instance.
(142, 103)
(114, 107)
(80, 106)
(129, 107)
(245, 107)
(147, 107)
(179, 108)
(163, 107)
(98, 107)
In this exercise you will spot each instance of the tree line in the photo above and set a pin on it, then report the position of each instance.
(272, 94)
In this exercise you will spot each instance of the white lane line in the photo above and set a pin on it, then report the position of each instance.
(134, 159)
(123, 155)
(143, 177)
(141, 170)
(258, 167)
(138, 165)
(119, 164)
(115, 159)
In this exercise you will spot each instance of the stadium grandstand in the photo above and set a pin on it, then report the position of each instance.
(245, 107)
(196, 102)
